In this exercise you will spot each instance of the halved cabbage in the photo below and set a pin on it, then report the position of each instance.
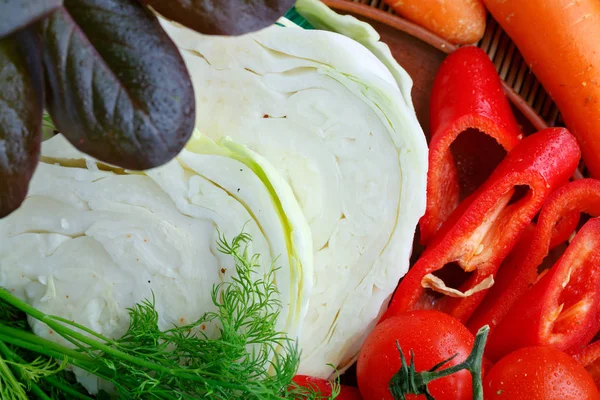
(91, 241)
(336, 120)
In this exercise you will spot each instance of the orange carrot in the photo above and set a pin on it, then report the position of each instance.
(458, 21)
(560, 40)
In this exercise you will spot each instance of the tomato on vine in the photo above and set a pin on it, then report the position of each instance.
(445, 359)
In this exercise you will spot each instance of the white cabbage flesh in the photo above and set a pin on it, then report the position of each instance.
(339, 126)
(91, 241)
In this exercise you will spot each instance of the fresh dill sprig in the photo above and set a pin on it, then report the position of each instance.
(248, 359)
(19, 377)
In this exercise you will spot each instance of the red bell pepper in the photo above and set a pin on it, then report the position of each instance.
(503, 280)
(562, 309)
(557, 221)
(467, 103)
(481, 232)
(589, 358)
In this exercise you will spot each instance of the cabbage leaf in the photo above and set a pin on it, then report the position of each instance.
(92, 240)
(332, 113)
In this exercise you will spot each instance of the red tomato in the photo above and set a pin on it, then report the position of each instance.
(433, 336)
(538, 373)
(324, 388)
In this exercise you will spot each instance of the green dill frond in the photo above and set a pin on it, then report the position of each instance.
(10, 386)
(37, 369)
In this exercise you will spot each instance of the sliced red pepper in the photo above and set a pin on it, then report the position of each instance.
(561, 310)
(557, 221)
(481, 232)
(589, 358)
(467, 103)
(503, 280)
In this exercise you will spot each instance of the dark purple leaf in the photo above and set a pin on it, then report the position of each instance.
(117, 86)
(222, 17)
(17, 14)
(21, 98)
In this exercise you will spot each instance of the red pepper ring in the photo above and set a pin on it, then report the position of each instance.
(486, 226)
(467, 93)
(564, 228)
(557, 221)
(562, 308)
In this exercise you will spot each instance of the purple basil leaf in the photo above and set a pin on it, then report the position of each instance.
(222, 17)
(21, 98)
(117, 86)
(16, 14)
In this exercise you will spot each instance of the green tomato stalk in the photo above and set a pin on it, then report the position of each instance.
(408, 381)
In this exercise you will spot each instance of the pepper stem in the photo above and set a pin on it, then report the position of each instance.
(408, 381)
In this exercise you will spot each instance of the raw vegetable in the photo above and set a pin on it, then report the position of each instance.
(113, 105)
(17, 14)
(556, 223)
(589, 358)
(20, 129)
(472, 129)
(98, 90)
(326, 389)
(233, 17)
(117, 87)
(458, 21)
(538, 373)
(434, 340)
(558, 40)
(502, 295)
(137, 234)
(561, 309)
(330, 115)
(320, 16)
(460, 263)
(148, 362)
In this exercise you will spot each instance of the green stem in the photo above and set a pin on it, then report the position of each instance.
(69, 333)
(40, 345)
(84, 363)
(35, 389)
(473, 364)
(7, 375)
(409, 381)
(54, 382)
(29, 341)
(45, 347)
(12, 356)
(61, 327)
(83, 328)
(66, 389)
